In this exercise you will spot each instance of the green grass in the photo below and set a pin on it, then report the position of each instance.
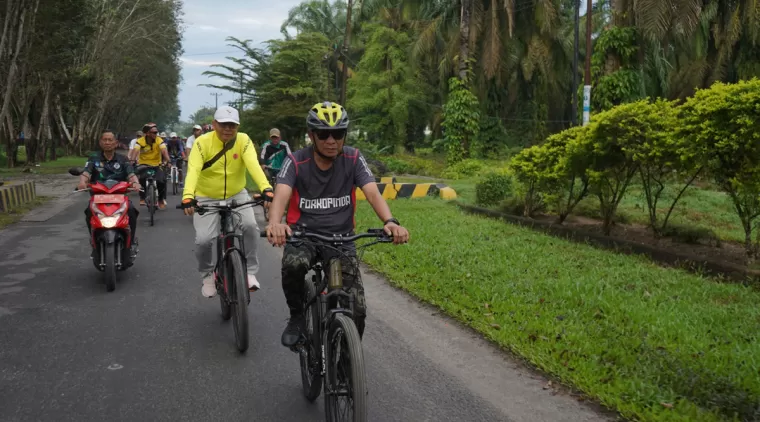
(61, 165)
(637, 337)
(15, 214)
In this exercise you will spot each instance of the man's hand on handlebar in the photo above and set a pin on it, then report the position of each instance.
(188, 205)
(400, 234)
(135, 187)
(278, 233)
(267, 196)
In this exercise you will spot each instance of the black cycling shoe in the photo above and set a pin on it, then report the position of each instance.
(293, 331)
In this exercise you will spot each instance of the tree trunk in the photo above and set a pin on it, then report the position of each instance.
(464, 38)
(9, 12)
(62, 123)
(10, 145)
(10, 81)
(43, 129)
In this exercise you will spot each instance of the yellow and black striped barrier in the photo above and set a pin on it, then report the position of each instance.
(412, 190)
(13, 194)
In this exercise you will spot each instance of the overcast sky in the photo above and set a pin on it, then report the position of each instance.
(207, 24)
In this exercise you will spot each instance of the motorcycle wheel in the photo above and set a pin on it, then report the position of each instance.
(109, 272)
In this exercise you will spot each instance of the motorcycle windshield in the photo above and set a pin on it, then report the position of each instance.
(111, 183)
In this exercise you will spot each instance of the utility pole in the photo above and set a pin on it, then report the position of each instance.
(216, 95)
(587, 86)
(575, 63)
(346, 43)
(241, 92)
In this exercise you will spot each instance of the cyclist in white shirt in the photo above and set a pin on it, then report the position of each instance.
(130, 154)
(197, 131)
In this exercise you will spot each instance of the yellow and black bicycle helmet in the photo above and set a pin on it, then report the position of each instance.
(327, 115)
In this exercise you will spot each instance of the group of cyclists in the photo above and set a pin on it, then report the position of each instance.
(314, 187)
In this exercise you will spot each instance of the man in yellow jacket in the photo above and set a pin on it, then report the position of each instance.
(151, 150)
(223, 179)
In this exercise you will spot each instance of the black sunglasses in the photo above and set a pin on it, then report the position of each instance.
(324, 134)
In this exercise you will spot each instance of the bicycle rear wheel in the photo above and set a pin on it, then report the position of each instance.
(311, 376)
(346, 387)
(238, 290)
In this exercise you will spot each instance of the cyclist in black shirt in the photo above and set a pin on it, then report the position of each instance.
(319, 182)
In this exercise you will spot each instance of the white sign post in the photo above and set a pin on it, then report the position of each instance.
(586, 104)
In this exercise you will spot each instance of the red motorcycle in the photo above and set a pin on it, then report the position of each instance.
(110, 237)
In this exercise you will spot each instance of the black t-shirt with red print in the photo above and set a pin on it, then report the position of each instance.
(324, 200)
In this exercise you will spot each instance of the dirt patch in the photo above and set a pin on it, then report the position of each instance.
(724, 251)
(726, 260)
(54, 185)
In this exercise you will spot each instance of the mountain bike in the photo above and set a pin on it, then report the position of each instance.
(230, 270)
(330, 351)
(151, 189)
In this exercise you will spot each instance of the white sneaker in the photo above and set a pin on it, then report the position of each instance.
(209, 288)
(253, 284)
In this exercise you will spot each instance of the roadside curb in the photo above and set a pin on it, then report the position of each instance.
(14, 194)
(687, 262)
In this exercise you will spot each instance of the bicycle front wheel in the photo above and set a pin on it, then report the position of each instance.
(174, 181)
(238, 291)
(346, 387)
(311, 365)
(150, 202)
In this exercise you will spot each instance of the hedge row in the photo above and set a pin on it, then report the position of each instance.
(714, 134)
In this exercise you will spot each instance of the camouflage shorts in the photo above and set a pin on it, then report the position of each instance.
(296, 261)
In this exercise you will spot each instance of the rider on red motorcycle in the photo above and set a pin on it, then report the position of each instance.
(108, 165)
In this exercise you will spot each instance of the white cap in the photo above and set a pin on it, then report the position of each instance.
(163, 134)
(227, 114)
(173, 135)
(197, 127)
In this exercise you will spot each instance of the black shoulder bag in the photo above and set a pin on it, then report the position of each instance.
(228, 146)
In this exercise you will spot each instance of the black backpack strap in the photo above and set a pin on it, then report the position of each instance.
(228, 146)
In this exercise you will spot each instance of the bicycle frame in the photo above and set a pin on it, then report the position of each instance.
(328, 308)
(225, 244)
(150, 178)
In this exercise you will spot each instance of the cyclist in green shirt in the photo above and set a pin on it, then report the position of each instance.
(273, 153)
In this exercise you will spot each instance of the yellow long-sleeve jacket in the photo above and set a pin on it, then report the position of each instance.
(226, 177)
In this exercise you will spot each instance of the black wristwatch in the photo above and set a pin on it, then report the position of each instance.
(391, 220)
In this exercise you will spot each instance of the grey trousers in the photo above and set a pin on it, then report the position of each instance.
(208, 227)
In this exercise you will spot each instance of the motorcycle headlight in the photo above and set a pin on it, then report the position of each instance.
(110, 221)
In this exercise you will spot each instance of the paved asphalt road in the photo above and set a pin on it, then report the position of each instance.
(155, 349)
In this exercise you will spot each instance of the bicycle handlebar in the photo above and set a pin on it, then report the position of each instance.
(378, 234)
(222, 205)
